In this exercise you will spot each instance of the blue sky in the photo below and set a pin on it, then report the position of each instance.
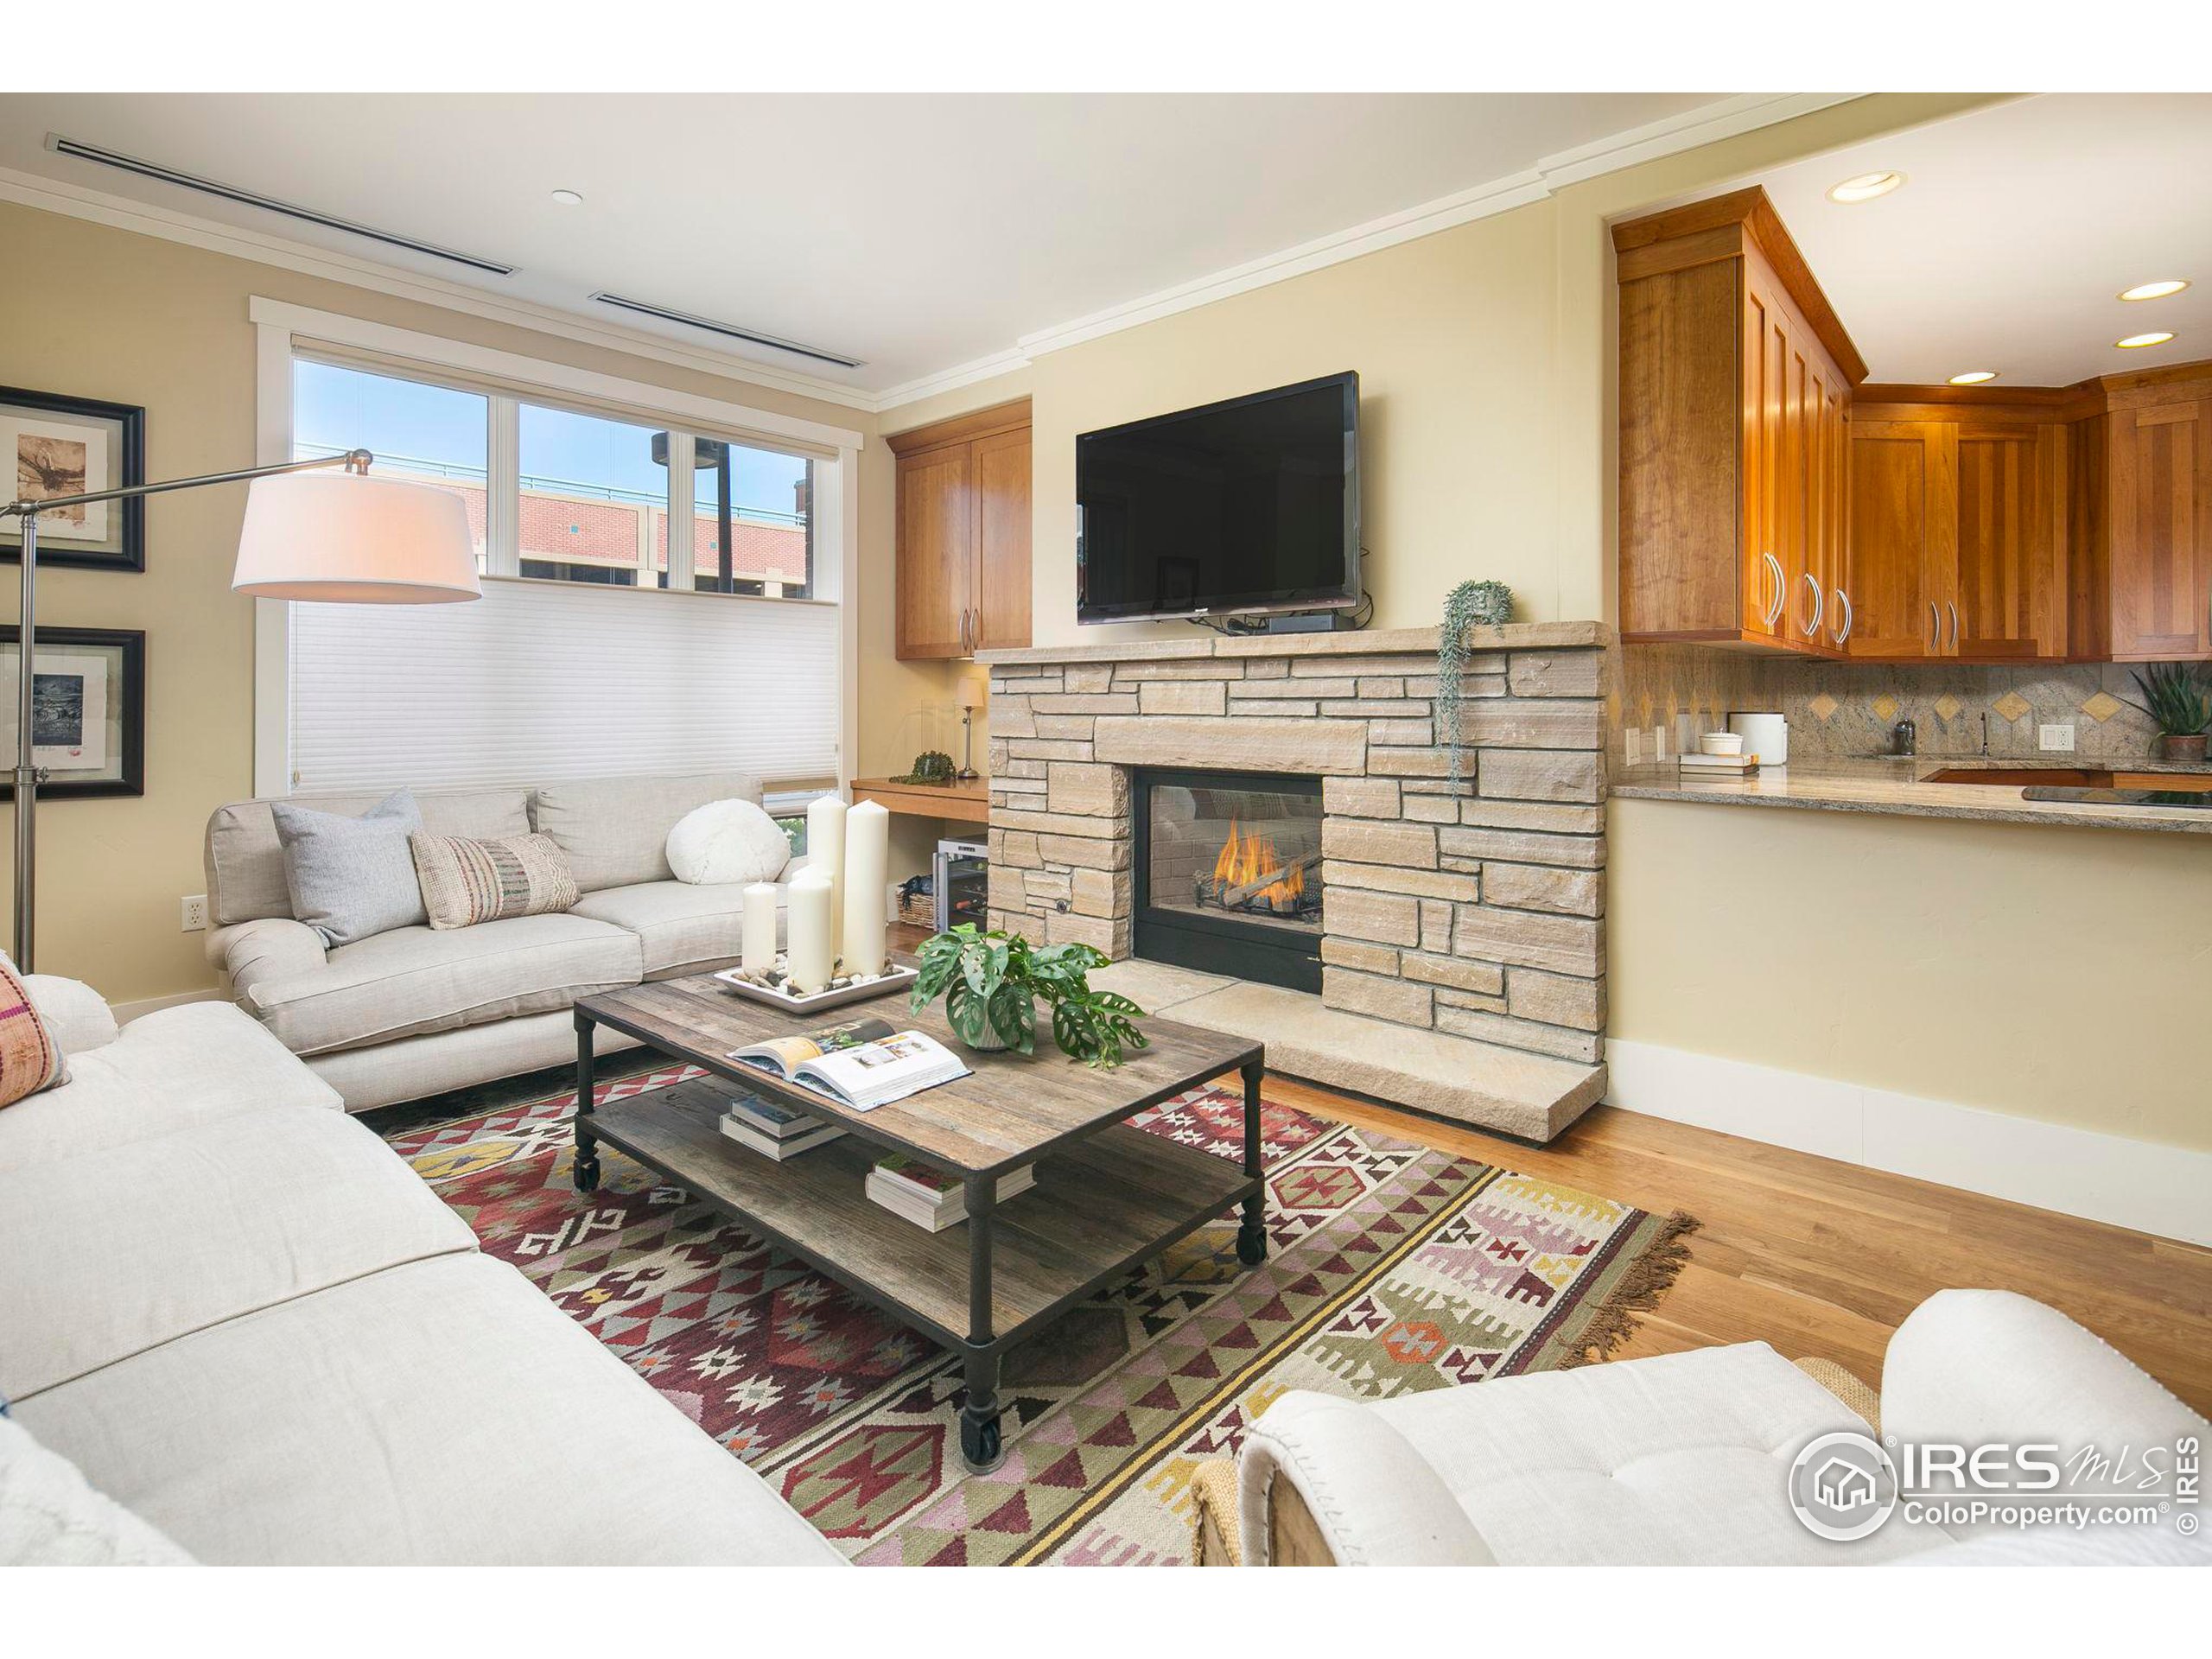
(338, 408)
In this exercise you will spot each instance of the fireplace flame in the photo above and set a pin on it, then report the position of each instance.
(1248, 858)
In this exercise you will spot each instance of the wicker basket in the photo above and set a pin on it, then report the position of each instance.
(918, 909)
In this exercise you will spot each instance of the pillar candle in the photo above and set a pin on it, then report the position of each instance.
(758, 946)
(867, 865)
(810, 951)
(825, 851)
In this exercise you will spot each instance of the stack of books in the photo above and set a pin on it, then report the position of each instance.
(914, 1192)
(774, 1131)
(1725, 766)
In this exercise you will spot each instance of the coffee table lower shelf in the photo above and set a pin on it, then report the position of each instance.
(1101, 1205)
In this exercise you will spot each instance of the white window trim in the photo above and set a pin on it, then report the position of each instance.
(282, 329)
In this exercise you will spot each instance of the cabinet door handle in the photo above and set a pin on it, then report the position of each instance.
(1952, 606)
(1813, 627)
(1843, 606)
(1935, 627)
(967, 632)
(1781, 586)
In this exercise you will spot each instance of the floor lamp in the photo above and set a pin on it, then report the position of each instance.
(309, 534)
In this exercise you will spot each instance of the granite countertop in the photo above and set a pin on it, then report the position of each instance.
(1895, 786)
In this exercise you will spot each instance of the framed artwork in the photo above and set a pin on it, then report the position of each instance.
(56, 446)
(88, 711)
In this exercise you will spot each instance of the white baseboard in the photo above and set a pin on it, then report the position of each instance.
(126, 1012)
(2139, 1184)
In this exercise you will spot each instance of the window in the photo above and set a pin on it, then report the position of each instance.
(551, 674)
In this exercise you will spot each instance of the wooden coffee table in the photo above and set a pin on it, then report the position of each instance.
(1107, 1196)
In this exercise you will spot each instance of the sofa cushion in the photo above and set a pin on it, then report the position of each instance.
(467, 882)
(414, 979)
(245, 861)
(1676, 1461)
(726, 841)
(439, 1413)
(30, 1055)
(350, 875)
(50, 1517)
(615, 829)
(197, 1064)
(114, 1252)
(78, 1015)
(683, 929)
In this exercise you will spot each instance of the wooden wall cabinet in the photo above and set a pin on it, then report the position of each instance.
(1958, 534)
(2157, 570)
(1736, 391)
(962, 534)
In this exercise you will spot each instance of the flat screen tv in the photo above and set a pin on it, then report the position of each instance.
(1244, 507)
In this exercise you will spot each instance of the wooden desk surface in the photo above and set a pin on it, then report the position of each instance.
(967, 803)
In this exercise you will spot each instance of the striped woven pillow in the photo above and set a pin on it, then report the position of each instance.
(466, 881)
(30, 1057)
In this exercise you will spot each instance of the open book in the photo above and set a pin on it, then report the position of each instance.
(863, 1063)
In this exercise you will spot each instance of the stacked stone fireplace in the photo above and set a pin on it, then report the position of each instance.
(1471, 911)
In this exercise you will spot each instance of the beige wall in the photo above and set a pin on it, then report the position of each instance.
(2049, 973)
(100, 313)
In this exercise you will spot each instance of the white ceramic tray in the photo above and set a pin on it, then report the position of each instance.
(896, 978)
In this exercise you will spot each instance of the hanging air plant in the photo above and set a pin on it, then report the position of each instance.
(1471, 604)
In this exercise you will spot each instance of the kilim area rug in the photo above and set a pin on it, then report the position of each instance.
(1392, 1269)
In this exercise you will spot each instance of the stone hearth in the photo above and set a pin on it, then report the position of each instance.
(1472, 915)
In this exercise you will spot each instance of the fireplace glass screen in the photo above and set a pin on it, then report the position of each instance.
(1230, 867)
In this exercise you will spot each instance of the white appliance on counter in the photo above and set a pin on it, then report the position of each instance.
(1766, 736)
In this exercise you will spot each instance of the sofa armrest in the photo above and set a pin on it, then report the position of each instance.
(1372, 1499)
(78, 1014)
(271, 949)
(1976, 1366)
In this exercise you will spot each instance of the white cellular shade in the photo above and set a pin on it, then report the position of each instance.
(337, 536)
(543, 681)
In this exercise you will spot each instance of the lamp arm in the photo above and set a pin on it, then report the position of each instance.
(353, 461)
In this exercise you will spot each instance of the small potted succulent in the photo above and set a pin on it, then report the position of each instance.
(2176, 697)
(991, 983)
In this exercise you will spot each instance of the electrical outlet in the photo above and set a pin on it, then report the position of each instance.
(2055, 737)
(195, 913)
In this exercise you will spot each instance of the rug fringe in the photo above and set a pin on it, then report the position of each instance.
(1651, 1275)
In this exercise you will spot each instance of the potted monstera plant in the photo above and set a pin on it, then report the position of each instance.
(2175, 696)
(992, 983)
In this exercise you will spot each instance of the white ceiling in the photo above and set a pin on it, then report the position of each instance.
(2016, 227)
(917, 233)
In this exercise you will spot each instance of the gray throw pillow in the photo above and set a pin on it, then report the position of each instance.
(352, 877)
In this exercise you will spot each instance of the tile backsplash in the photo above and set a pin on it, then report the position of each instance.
(1842, 711)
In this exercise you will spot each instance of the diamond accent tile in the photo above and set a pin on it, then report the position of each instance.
(1948, 707)
(1824, 707)
(2103, 707)
(2012, 705)
(1886, 707)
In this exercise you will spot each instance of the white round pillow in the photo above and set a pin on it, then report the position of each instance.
(727, 841)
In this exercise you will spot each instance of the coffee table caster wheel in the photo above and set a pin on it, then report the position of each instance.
(1251, 1245)
(980, 1444)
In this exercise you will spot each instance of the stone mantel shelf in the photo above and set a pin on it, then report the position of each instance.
(1376, 642)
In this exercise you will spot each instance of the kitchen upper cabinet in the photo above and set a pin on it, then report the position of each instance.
(2158, 462)
(1736, 398)
(962, 534)
(1957, 540)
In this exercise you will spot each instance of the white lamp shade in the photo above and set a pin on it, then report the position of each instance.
(345, 538)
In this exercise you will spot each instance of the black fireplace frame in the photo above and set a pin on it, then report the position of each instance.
(1224, 943)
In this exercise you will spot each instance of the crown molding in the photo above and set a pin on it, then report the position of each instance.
(1692, 128)
(120, 212)
(1688, 130)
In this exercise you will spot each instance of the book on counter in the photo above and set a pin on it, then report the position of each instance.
(774, 1131)
(1737, 764)
(915, 1191)
(864, 1063)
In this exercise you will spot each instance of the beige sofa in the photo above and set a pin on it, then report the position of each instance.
(244, 1320)
(414, 1011)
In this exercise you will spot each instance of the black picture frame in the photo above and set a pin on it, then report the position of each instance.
(128, 468)
(129, 700)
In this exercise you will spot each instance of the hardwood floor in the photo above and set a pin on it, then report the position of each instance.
(1823, 1258)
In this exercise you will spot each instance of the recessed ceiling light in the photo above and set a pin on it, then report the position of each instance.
(2154, 290)
(1865, 186)
(2135, 341)
(567, 198)
(1973, 377)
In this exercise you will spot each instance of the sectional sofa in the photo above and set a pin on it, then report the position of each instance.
(243, 1319)
(414, 1011)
